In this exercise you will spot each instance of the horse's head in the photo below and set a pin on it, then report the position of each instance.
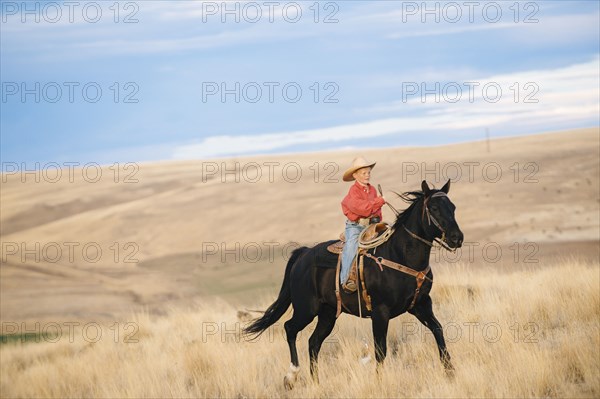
(438, 215)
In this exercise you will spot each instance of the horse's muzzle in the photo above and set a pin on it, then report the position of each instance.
(455, 239)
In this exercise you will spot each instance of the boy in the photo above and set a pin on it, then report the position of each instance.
(361, 206)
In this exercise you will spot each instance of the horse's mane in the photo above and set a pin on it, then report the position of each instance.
(411, 197)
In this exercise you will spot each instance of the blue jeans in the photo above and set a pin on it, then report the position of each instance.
(353, 230)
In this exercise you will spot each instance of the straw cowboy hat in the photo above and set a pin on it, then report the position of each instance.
(357, 163)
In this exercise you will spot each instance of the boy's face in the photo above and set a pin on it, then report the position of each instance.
(362, 175)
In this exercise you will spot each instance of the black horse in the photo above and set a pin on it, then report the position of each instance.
(309, 282)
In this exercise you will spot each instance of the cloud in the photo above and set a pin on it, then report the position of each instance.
(166, 27)
(449, 30)
(567, 94)
(529, 23)
(570, 85)
(250, 144)
(161, 27)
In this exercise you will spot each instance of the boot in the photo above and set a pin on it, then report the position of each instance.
(350, 285)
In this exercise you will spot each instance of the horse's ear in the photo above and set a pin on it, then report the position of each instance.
(425, 188)
(446, 187)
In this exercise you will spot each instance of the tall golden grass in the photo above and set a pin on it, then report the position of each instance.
(531, 333)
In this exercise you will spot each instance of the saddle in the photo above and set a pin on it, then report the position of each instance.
(372, 236)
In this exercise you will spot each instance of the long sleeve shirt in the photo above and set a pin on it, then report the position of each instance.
(362, 202)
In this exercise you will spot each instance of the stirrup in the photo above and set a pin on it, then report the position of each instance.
(349, 286)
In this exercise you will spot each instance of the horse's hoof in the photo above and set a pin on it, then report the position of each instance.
(288, 383)
(450, 372)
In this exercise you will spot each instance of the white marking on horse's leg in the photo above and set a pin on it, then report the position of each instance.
(293, 372)
(291, 376)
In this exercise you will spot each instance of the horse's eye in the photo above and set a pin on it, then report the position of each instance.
(434, 208)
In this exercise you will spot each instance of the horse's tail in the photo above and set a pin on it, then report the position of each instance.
(281, 304)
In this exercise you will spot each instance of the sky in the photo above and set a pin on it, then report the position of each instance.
(136, 81)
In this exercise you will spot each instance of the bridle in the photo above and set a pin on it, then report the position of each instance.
(430, 218)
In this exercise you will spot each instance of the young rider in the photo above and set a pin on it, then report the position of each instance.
(361, 206)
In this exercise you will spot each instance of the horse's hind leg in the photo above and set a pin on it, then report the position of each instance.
(423, 311)
(292, 327)
(322, 330)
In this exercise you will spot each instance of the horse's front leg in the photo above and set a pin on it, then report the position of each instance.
(423, 311)
(380, 319)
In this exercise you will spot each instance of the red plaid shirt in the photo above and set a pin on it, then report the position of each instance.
(362, 202)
